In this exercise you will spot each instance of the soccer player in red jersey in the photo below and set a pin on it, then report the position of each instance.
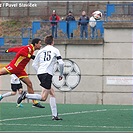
(18, 64)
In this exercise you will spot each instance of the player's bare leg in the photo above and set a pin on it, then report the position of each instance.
(44, 94)
(20, 91)
(3, 72)
(27, 81)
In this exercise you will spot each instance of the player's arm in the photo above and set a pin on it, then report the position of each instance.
(35, 62)
(26, 52)
(14, 49)
(61, 67)
(61, 64)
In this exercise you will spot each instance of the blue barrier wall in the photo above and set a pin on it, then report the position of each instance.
(119, 9)
(36, 25)
(1, 41)
(25, 41)
(68, 28)
(110, 8)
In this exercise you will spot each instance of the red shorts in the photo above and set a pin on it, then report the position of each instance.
(11, 69)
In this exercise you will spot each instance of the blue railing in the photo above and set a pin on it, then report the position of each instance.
(62, 26)
(42, 28)
(119, 9)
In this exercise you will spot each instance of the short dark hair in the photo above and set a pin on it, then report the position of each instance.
(48, 39)
(35, 41)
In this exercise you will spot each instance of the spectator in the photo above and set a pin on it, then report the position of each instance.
(83, 22)
(92, 23)
(54, 19)
(69, 18)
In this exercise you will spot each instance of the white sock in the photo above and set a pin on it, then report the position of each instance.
(53, 106)
(7, 94)
(34, 96)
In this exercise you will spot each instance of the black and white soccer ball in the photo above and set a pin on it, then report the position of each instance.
(97, 15)
(71, 76)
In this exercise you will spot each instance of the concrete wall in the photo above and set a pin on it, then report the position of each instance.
(118, 62)
(96, 61)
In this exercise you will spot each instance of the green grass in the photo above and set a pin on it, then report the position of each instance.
(76, 117)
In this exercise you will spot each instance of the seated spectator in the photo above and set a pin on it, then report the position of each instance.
(54, 19)
(69, 18)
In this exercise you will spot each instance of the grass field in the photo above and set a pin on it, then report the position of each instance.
(76, 117)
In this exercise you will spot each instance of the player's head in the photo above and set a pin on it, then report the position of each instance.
(37, 43)
(49, 40)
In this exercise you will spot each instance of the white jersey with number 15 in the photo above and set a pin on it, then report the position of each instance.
(45, 60)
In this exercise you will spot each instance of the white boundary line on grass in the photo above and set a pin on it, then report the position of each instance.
(72, 113)
(77, 126)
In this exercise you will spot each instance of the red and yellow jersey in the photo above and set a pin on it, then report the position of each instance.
(21, 59)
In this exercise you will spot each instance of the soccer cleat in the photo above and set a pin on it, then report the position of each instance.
(1, 97)
(38, 105)
(56, 118)
(19, 105)
(22, 97)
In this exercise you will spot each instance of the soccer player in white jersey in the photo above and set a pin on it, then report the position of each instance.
(44, 66)
(16, 85)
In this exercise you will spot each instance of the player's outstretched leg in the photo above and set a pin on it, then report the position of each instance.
(22, 97)
(1, 97)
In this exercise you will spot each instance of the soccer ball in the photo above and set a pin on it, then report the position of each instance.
(97, 15)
